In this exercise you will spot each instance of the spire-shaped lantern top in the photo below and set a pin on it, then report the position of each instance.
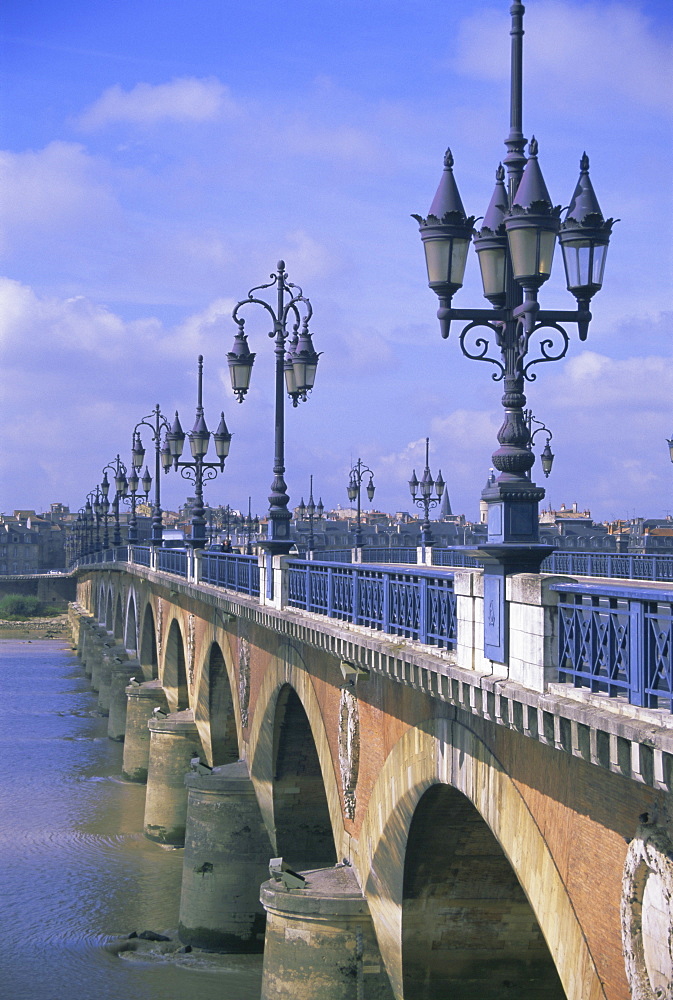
(584, 238)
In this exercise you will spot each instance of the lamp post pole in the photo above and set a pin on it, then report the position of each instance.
(198, 470)
(357, 473)
(310, 512)
(515, 246)
(157, 424)
(296, 363)
(426, 500)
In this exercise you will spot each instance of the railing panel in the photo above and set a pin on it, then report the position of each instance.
(455, 557)
(417, 605)
(615, 565)
(232, 571)
(374, 554)
(172, 561)
(141, 554)
(617, 640)
(658, 679)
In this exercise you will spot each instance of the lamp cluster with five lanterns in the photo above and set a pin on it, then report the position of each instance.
(198, 470)
(296, 362)
(422, 494)
(357, 474)
(515, 247)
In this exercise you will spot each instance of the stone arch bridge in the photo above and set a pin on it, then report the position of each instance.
(460, 827)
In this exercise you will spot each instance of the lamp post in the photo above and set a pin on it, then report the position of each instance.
(93, 513)
(131, 495)
(198, 470)
(118, 469)
(157, 424)
(357, 473)
(310, 512)
(296, 362)
(426, 499)
(547, 456)
(515, 246)
(250, 527)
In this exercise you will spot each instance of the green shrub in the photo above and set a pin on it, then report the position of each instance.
(19, 606)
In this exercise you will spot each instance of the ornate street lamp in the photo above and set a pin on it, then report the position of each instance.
(357, 473)
(92, 516)
(547, 456)
(198, 470)
(310, 512)
(157, 424)
(421, 494)
(515, 247)
(296, 363)
(118, 470)
(250, 528)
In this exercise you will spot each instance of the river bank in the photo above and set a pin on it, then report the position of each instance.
(39, 627)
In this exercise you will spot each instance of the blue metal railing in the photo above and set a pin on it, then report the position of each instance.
(456, 557)
(617, 640)
(612, 565)
(172, 561)
(397, 554)
(141, 554)
(230, 570)
(417, 604)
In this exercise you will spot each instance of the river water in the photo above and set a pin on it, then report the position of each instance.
(75, 869)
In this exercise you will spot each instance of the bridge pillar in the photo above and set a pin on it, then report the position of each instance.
(112, 655)
(174, 740)
(142, 699)
(320, 941)
(227, 851)
(101, 643)
(122, 672)
(87, 647)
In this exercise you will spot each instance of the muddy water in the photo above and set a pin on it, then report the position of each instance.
(75, 870)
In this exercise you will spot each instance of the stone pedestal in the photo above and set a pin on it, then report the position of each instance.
(142, 699)
(227, 853)
(320, 941)
(122, 672)
(174, 740)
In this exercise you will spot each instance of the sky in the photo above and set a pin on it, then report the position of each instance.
(159, 156)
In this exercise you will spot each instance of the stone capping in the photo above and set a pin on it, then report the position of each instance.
(598, 731)
(329, 893)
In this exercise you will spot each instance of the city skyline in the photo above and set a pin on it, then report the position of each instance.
(156, 167)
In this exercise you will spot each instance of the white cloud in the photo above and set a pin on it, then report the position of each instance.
(45, 188)
(585, 51)
(594, 381)
(184, 99)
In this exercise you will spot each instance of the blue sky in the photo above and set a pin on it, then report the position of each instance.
(159, 156)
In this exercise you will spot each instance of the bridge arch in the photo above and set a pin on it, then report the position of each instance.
(215, 713)
(119, 618)
(109, 620)
(444, 752)
(149, 659)
(175, 669)
(131, 629)
(289, 750)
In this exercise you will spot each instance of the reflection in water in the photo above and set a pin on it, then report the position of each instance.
(75, 869)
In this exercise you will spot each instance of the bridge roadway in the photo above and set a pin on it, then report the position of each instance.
(464, 828)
